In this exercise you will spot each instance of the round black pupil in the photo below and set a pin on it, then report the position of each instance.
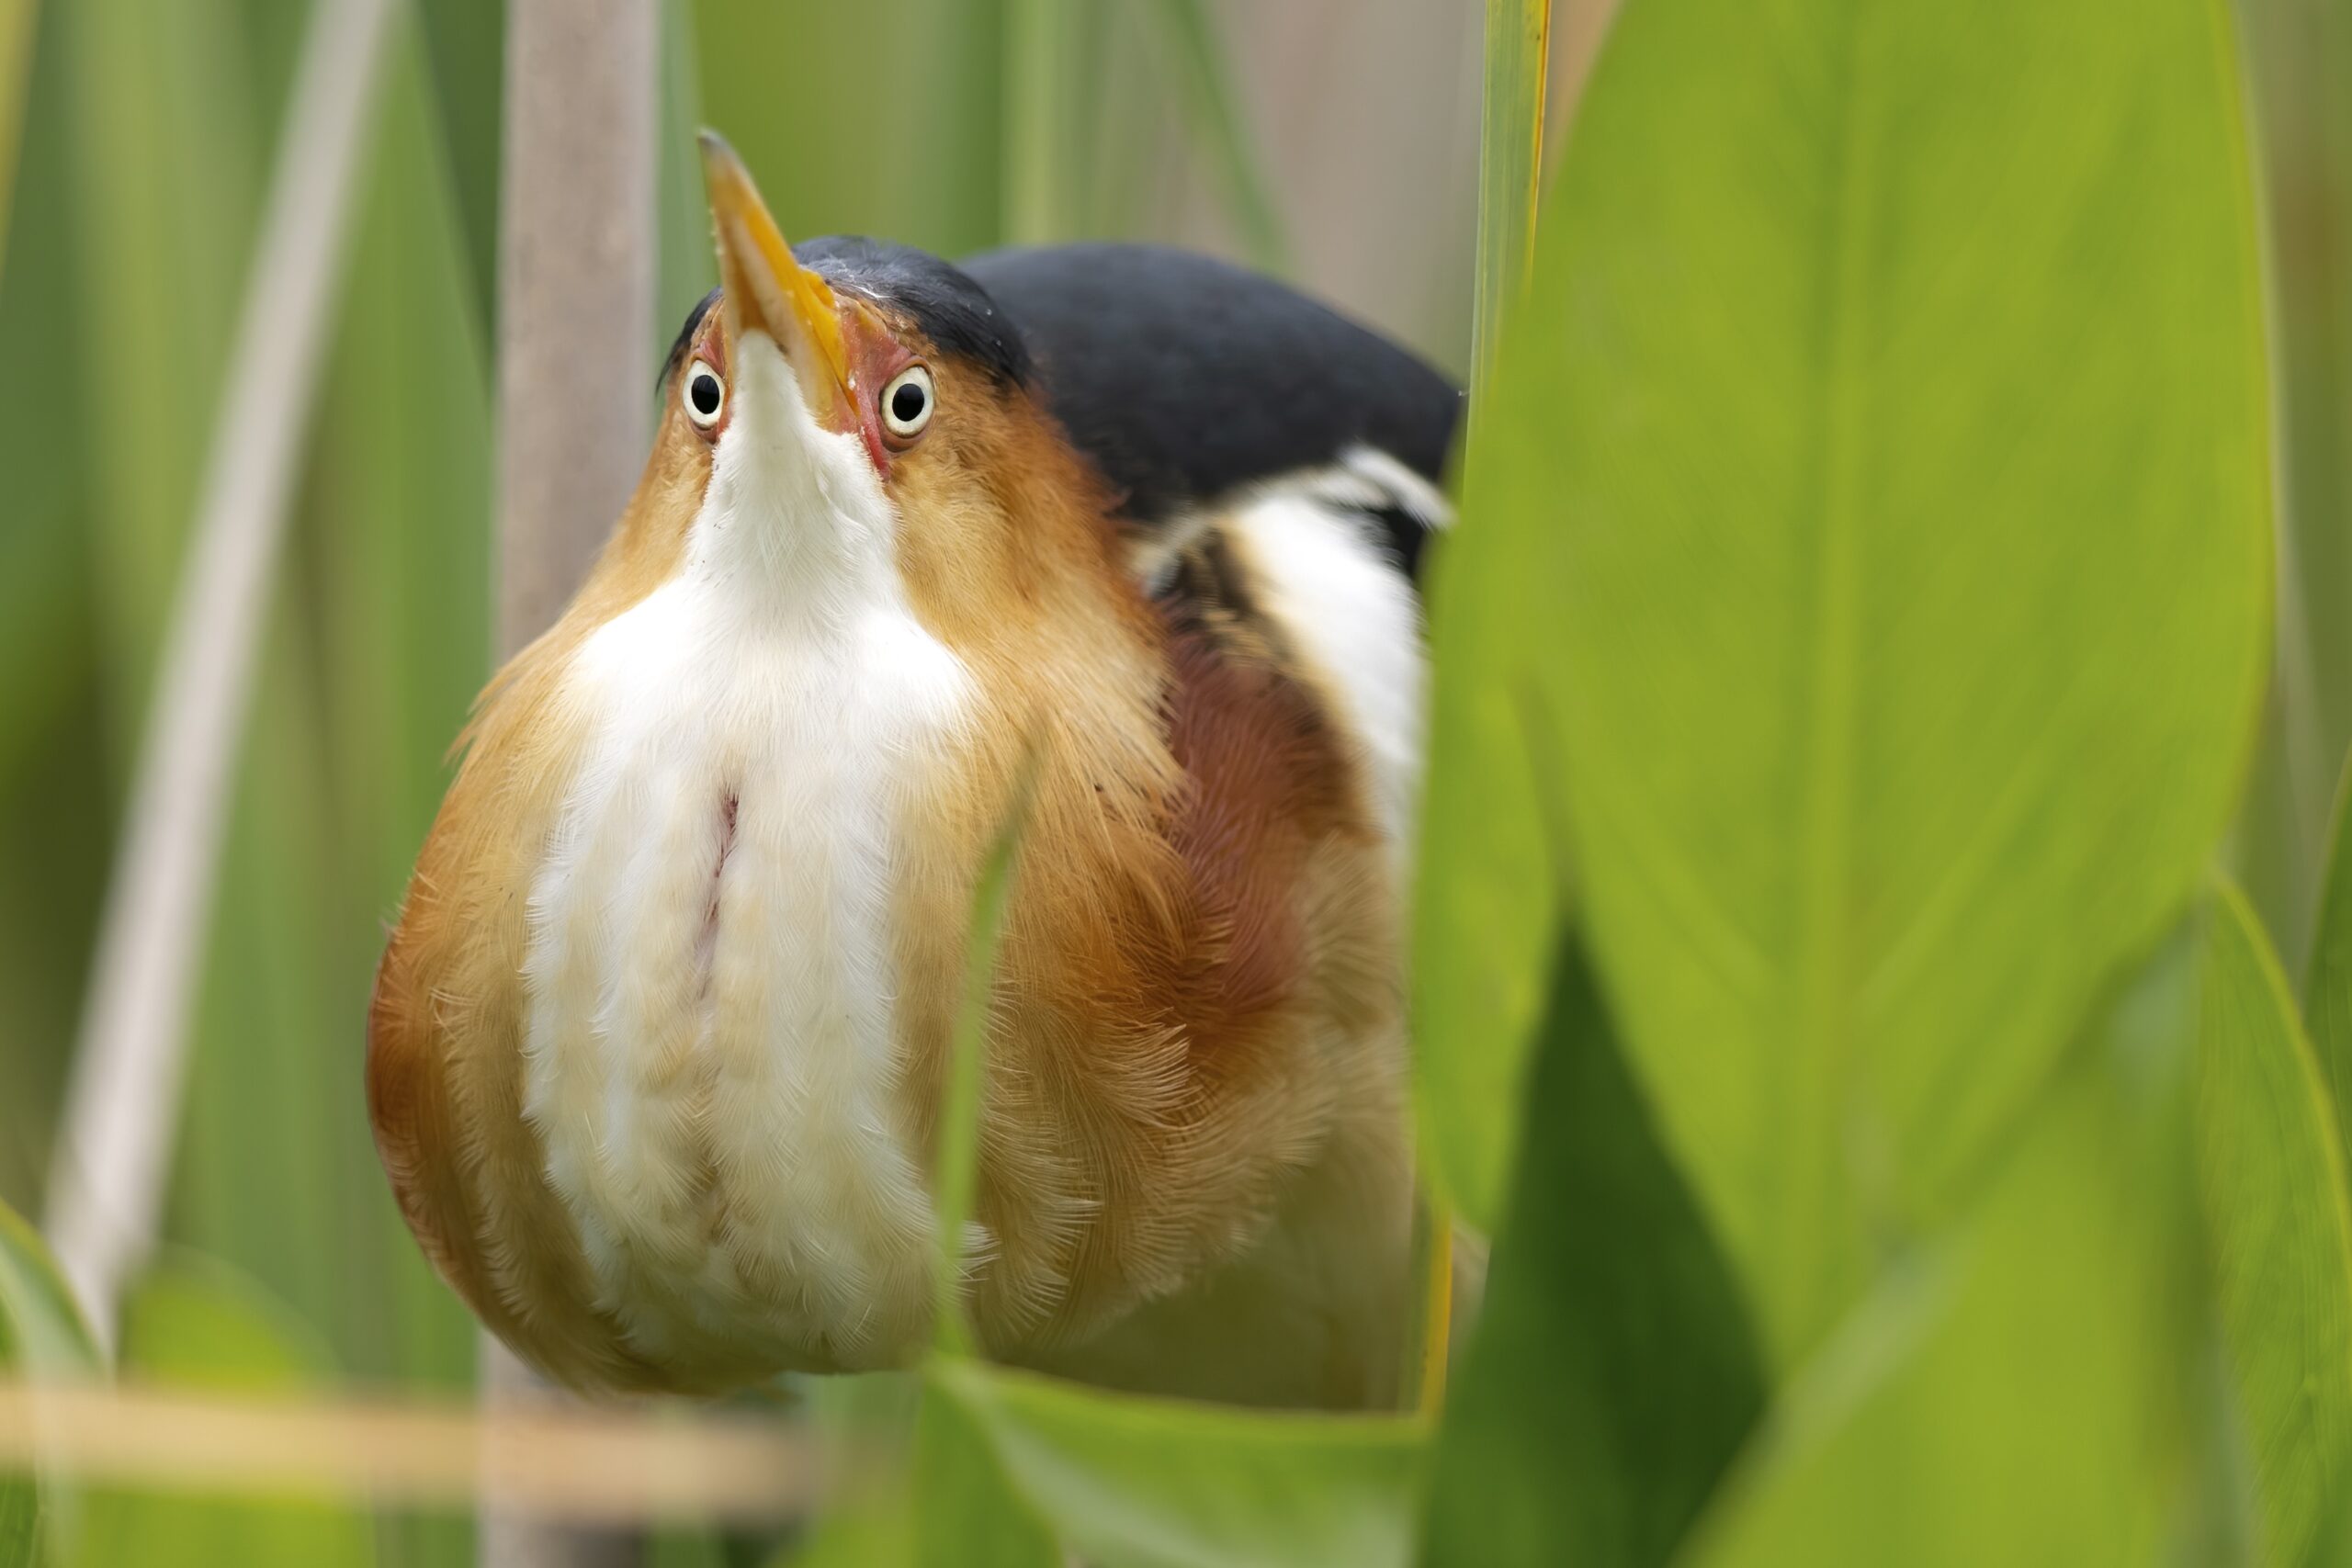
(906, 403)
(703, 390)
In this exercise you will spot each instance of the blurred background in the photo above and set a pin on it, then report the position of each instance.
(1334, 141)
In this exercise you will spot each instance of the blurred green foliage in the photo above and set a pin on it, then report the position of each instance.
(194, 1323)
(41, 1334)
(2272, 1177)
(1862, 601)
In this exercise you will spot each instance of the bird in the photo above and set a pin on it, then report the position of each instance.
(1118, 535)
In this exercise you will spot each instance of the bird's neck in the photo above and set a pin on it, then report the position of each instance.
(794, 523)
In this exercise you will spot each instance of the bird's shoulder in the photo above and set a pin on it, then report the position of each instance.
(1191, 382)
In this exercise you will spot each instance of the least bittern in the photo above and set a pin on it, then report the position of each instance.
(656, 1048)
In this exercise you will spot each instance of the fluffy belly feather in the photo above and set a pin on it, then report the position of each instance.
(711, 1060)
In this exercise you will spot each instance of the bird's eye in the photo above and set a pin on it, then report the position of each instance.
(907, 402)
(706, 394)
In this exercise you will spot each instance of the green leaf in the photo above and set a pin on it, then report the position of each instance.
(2300, 56)
(966, 1513)
(689, 268)
(2023, 1388)
(42, 1333)
(1511, 167)
(167, 149)
(956, 1164)
(1040, 142)
(195, 1322)
(2327, 985)
(2271, 1170)
(1130, 1482)
(799, 87)
(465, 57)
(1214, 106)
(41, 1330)
(1614, 1373)
(1881, 467)
(18, 20)
(859, 1537)
(1486, 908)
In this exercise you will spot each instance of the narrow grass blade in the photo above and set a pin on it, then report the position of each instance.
(1487, 901)
(2271, 1175)
(18, 18)
(687, 269)
(1220, 126)
(956, 1163)
(41, 1337)
(1430, 1344)
(465, 56)
(2327, 981)
(2299, 55)
(43, 1331)
(1511, 170)
(1040, 128)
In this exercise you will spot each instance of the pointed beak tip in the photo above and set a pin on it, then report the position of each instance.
(768, 289)
(718, 156)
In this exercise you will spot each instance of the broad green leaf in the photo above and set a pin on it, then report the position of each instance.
(967, 1513)
(196, 1323)
(1614, 1373)
(865, 1428)
(42, 1333)
(2332, 1547)
(2271, 1169)
(1487, 905)
(1884, 448)
(2025, 1386)
(1129, 1483)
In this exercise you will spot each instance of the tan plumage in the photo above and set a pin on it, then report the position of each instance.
(1194, 1176)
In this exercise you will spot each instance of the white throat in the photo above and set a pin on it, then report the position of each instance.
(711, 1048)
(792, 509)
